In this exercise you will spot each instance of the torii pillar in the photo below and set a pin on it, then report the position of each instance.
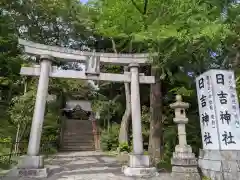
(139, 164)
(32, 164)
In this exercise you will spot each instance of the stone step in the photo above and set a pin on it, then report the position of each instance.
(90, 145)
(74, 133)
(78, 140)
(78, 132)
(74, 139)
(67, 144)
(78, 129)
(79, 123)
(78, 136)
(82, 124)
(82, 131)
(75, 128)
(76, 149)
(77, 120)
(77, 143)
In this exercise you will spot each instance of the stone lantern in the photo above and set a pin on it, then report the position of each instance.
(184, 162)
(180, 119)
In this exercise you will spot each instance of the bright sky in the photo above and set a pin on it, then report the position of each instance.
(84, 1)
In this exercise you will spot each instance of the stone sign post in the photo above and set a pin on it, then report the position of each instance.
(139, 164)
(219, 119)
(184, 162)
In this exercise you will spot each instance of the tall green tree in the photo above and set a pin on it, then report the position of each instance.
(181, 32)
(10, 61)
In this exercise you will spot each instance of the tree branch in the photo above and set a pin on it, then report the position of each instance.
(145, 7)
(114, 45)
(136, 6)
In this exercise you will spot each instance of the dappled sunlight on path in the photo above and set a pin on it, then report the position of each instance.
(82, 166)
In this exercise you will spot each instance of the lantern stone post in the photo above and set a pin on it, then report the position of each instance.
(184, 162)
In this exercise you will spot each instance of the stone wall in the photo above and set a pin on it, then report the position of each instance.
(220, 165)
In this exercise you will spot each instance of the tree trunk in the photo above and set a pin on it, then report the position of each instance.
(123, 133)
(156, 108)
(16, 146)
(18, 136)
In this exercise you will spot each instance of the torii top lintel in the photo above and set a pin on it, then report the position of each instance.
(70, 55)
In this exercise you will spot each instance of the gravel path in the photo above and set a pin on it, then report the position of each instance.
(85, 166)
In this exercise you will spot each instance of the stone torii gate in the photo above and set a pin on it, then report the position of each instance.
(139, 163)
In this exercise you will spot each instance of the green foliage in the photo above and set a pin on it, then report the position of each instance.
(238, 86)
(109, 138)
(183, 40)
(21, 113)
(69, 87)
(5, 148)
(22, 109)
(124, 147)
(206, 178)
(107, 110)
(5, 145)
(145, 124)
(7, 129)
(182, 91)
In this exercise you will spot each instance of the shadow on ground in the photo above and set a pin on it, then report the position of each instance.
(81, 166)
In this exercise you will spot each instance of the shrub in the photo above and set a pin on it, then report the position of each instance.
(206, 178)
(124, 147)
(109, 138)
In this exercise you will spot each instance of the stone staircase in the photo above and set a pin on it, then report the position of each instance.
(77, 135)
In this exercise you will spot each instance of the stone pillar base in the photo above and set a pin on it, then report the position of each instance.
(31, 167)
(139, 171)
(220, 164)
(184, 157)
(30, 173)
(185, 173)
(139, 166)
(140, 161)
(31, 162)
(184, 164)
